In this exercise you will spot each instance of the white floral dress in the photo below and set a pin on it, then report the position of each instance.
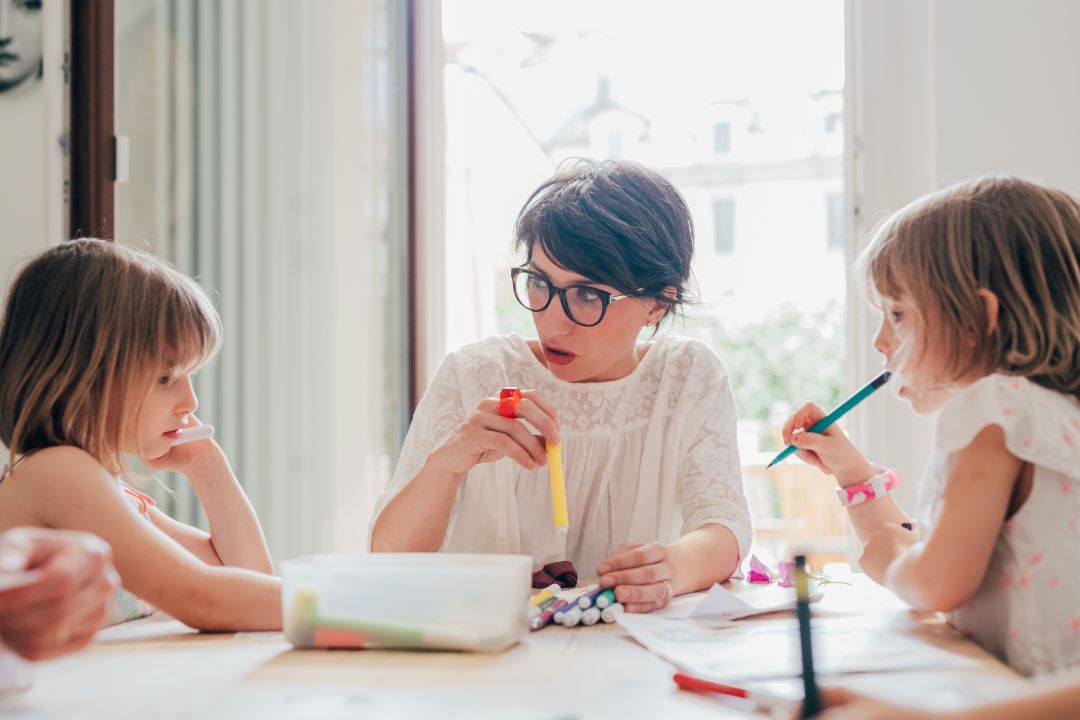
(648, 457)
(1027, 610)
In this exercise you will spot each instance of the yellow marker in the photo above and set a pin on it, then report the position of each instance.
(549, 592)
(558, 488)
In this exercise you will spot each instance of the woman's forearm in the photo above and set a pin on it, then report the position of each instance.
(707, 555)
(416, 519)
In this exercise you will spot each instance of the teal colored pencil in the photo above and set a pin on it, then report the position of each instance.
(841, 410)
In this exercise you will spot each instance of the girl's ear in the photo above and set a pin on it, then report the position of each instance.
(990, 309)
(660, 308)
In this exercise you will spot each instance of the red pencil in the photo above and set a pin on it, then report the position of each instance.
(764, 699)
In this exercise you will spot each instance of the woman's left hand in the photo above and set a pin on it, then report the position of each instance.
(643, 576)
(883, 546)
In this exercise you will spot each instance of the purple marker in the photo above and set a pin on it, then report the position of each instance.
(545, 617)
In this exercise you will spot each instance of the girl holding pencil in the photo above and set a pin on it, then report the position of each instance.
(979, 287)
(646, 429)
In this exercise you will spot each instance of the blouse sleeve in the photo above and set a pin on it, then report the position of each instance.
(1040, 426)
(440, 411)
(710, 487)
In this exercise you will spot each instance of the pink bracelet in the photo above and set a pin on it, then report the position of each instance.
(875, 487)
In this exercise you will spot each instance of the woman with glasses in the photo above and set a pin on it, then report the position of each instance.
(647, 429)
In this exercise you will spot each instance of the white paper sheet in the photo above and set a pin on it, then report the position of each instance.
(735, 599)
(724, 649)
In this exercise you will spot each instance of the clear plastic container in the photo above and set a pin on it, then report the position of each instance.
(436, 601)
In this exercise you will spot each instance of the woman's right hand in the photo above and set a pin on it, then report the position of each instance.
(830, 451)
(487, 436)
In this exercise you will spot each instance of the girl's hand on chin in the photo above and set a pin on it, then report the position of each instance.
(185, 457)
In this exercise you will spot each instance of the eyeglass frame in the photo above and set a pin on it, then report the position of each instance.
(605, 296)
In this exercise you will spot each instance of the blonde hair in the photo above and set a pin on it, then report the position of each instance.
(88, 325)
(1020, 241)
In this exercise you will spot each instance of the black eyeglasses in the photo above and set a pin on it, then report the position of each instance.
(583, 304)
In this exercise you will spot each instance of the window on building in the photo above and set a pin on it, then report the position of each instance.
(834, 220)
(722, 138)
(832, 122)
(724, 225)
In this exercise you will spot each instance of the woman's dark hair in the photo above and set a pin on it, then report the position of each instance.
(615, 222)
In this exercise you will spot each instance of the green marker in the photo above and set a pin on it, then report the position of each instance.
(383, 633)
(605, 598)
(841, 410)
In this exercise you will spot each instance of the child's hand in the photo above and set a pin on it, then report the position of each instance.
(845, 705)
(882, 547)
(185, 458)
(829, 451)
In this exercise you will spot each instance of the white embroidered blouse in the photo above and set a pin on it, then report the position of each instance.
(648, 457)
(1027, 610)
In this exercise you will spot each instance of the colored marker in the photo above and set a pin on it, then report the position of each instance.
(586, 600)
(765, 700)
(558, 488)
(549, 591)
(546, 616)
(611, 612)
(308, 623)
(199, 432)
(811, 701)
(535, 610)
(839, 412)
(605, 598)
(590, 616)
(571, 617)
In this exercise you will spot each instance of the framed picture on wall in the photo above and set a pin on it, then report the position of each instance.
(21, 43)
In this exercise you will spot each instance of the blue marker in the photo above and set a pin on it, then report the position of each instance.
(841, 410)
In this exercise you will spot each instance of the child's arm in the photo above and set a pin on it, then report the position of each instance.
(67, 488)
(833, 453)
(1057, 702)
(945, 571)
(236, 538)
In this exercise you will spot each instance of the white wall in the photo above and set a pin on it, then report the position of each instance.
(942, 91)
(31, 159)
(1007, 90)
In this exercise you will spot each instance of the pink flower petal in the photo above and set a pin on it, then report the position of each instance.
(756, 566)
(755, 577)
(787, 573)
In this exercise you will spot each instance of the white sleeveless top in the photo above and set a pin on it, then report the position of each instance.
(648, 457)
(1027, 610)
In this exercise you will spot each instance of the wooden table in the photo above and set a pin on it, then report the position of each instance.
(158, 668)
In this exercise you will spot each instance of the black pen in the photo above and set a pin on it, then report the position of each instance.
(811, 700)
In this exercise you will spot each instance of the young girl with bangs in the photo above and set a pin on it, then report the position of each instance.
(97, 350)
(979, 287)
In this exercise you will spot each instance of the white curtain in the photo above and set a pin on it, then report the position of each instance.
(268, 157)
